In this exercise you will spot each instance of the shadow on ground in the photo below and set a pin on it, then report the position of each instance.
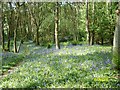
(76, 70)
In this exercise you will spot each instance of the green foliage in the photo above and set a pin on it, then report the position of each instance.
(66, 43)
(72, 21)
(71, 66)
(10, 60)
(49, 45)
(75, 42)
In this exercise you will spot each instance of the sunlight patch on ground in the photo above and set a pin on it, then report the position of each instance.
(74, 66)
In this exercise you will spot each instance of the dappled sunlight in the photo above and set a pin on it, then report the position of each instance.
(59, 45)
(55, 68)
(81, 50)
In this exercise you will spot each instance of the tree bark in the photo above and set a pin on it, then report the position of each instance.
(109, 4)
(15, 42)
(3, 39)
(102, 40)
(10, 18)
(93, 31)
(56, 26)
(15, 30)
(25, 22)
(87, 23)
(29, 28)
(37, 35)
(116, 43)
(92, 37)
(0, 24)
(8, 44)
(37, 23)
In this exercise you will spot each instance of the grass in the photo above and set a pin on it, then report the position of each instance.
(10, 60)
(71, 66)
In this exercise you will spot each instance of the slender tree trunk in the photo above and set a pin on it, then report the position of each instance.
(56, 26)
(93, 31)
(0, 24)
(3, 39)
(74, 16)
(10, 26)
(8, 44)
(10, 19)
(25, 22)
(21, 27)
(92, 38)
(116, 43)
(87, 23)
(0, 34)
(15, 40)
(15, 30)
(30, 28)
(111, 29)
(37, 35)
(102, 40)
(18, 49)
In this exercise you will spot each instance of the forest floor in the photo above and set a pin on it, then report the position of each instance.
(79, 66)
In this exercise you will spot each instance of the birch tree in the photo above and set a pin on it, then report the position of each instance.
(56, 26)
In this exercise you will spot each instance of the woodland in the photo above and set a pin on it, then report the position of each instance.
(60, 44)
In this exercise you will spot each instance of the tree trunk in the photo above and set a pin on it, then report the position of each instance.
(15, 42)
(37, 35)
(56, 26)
(93, 31)
(18, 49)
(25, 22)
(10, 26)
(0, 24)
(29, 28)
(3, 39)
(116, 43)
(92, 38)
(87, 23)
(15, 30)
(8, 44)
(74, 20)
(109, 12)
(102, 40)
